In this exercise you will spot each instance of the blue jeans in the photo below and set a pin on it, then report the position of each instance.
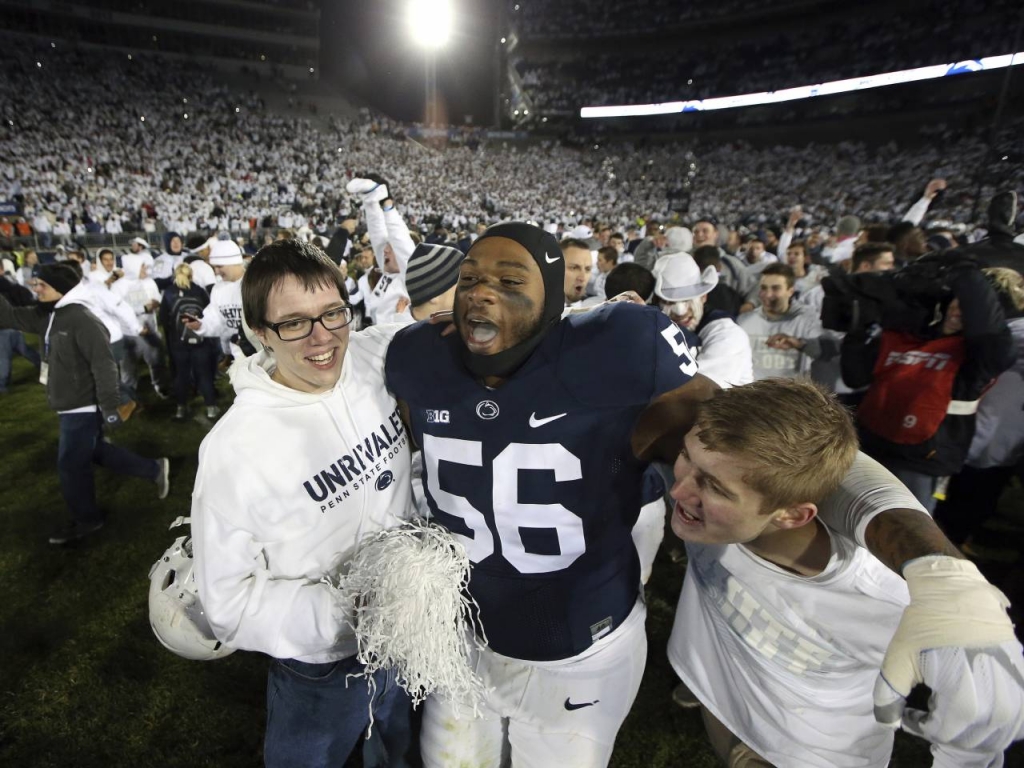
(314, 720)
(81, 445)
(13, 343)
(195, 362)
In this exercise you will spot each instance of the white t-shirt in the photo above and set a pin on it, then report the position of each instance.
(136, 293)
(223, 315)
(786, 662)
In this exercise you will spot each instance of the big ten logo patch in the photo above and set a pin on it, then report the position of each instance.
(438, 417)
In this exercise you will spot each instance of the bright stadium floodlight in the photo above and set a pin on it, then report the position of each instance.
(430, 22)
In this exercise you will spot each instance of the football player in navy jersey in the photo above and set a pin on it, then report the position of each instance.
(530, 466)
(536, 465)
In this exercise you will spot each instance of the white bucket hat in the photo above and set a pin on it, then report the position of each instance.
(679, 278)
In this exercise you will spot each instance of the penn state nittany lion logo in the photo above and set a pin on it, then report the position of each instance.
(487, 409)
(386, 479)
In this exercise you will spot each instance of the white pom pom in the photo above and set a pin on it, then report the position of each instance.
(413, 615)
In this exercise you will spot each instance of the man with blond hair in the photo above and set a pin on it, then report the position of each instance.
(783, 623)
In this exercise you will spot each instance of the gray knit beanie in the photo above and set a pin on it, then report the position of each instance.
(432, 270)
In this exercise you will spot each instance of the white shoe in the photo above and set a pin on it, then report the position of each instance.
(360, 186)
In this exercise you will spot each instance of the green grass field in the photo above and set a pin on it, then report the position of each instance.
(85, 684)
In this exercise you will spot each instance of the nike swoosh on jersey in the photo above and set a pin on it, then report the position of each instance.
(535, 422)
(570, 706)
(549, 260)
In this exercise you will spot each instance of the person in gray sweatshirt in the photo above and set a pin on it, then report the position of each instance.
(81, 383)
(784, 336)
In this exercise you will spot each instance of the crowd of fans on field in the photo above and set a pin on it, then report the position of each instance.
(86, 167)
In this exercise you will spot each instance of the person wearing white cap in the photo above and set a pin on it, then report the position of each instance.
(722, 348)
(138, 255)
(139, 245)
(222, 317)
(202, 272)
(675, 240)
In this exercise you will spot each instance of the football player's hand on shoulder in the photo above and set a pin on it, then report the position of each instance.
(630, 297)
(445, 318)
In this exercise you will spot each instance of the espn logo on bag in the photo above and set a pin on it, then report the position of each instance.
(438, 417)
(931, 360)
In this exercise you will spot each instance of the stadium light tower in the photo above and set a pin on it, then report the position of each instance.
(430, 24)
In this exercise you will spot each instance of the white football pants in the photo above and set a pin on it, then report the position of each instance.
(543, 714)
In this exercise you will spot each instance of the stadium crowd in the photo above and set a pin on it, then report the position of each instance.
(842, 264)
(581, 19)
(774, 59)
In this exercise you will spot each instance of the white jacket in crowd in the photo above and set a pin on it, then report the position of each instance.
(724, 355)
(999, 428)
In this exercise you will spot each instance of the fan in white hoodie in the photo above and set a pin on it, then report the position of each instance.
(288, 484)
(310, 460)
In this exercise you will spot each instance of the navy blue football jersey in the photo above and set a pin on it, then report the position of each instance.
(536, 477)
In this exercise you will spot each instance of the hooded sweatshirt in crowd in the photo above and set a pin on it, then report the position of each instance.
(82, 376)
(288, 485)
(788, 363)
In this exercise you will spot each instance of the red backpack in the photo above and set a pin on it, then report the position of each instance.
(912, 390)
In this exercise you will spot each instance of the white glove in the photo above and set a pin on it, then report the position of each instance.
(956, 638)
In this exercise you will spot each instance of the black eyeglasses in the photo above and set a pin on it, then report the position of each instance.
(300, 327)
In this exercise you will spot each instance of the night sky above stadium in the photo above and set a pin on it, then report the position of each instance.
(365, 46)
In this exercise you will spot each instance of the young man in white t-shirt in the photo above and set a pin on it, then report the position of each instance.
(782, 624)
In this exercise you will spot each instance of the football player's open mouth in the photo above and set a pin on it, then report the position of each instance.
(481, 333)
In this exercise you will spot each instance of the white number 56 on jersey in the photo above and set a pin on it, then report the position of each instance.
(676, 339)
(510, 516)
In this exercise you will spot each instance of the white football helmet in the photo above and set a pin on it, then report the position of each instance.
(175, 611)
